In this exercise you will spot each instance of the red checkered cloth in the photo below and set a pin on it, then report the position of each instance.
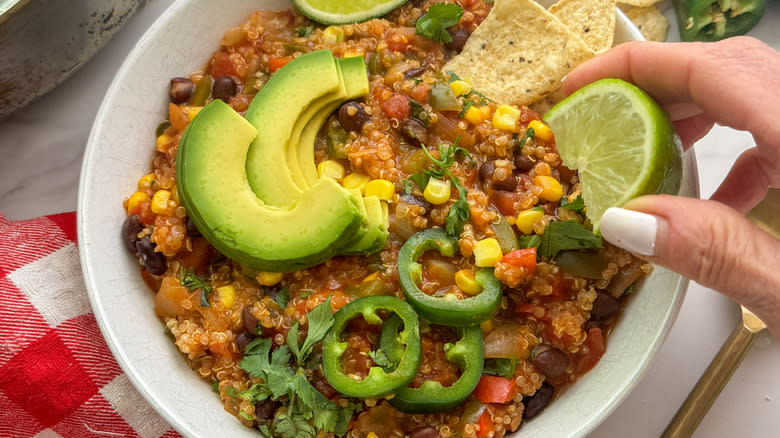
(57, 375)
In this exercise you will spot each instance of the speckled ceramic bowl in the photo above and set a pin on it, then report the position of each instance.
(118, 154)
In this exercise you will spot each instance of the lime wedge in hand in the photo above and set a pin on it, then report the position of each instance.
(621, 142)
(345, 11)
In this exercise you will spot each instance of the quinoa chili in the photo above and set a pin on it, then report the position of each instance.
(503, 180)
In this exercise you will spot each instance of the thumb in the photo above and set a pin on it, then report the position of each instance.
(707, 242)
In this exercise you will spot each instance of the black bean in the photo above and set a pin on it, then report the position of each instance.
(155, 262)
(130, 229)
(425, 432)
(605, 306)
(459, 36)
(181, 90)
(353, 116)
(524, 163)
(250, 321)
(224, 88)
(537, 402)
(486, 171)
(508, 184)
(414, 200)
(413, 72)
(550, 361)
(243, 340)
(414, 131)
(192, 230)
(264, 410)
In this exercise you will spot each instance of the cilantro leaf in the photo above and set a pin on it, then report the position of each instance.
(530, 241)
(407, 186)
(417, 111)
(292, 341)
(577, 205)
(459, 213)
(434, 23)
(562, 236)
(288, 425)
(502, 367)
(421, 179)
(188, 279)
(283, 297)
(529, 134)
(320, 320)
(380, 358)
(304, 31)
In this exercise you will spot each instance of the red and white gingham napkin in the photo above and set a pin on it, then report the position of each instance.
(57, 375)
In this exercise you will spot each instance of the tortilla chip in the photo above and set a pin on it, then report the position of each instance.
(650, 22)
(519, 53)
(640, 3)
(592, 20)
(546, 103)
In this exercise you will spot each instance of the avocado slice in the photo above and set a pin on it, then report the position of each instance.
(376, 234)
(274, 112)
(214, 188)
(353, 70)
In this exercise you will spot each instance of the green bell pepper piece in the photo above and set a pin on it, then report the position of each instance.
(713, 20)
(445, 310)
(379, 382)
(432, 396)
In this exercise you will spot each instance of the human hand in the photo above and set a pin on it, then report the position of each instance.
(736, 83)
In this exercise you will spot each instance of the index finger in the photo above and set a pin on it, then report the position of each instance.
(736, 82)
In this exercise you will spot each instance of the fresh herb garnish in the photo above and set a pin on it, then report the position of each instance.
(459, 211)
(281, 379)
(407, 187)
(577, 205)
(503, 367)
(380, 358)
(434, 23)
(283, 297)
(188, 279)
(417, 111)
(567, 235)
(304, 31)
(530, 241)
(529, 134)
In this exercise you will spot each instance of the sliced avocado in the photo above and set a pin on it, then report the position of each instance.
(353, 70)
(274, 112)
(376, 235)
(213, 187)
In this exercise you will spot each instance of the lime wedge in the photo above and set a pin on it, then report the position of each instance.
(621, 142)
(345, 12)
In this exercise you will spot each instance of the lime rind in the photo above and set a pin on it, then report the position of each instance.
(621, 142)
(335, 12)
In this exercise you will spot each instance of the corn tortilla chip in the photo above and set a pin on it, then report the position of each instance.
(519, 53)
(650, 22)
(593, 20)
(640, 3)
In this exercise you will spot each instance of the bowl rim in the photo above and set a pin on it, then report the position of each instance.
(128, 363)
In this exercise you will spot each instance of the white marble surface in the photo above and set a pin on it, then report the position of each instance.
(42, 147)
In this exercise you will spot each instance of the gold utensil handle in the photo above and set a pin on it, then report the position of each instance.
(711, 383)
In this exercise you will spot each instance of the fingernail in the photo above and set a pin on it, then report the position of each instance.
(630, 230)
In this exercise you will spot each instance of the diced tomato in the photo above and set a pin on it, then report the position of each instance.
(199, 258)
(399, 39)
(222, 65)
(527, 115)
(144, 211)
(420, 92)
(596, 347)
(396, 107)
(275, 64)
(522, 257)
(495, 389)
(485, 425)
(560, 288)
(505, 202)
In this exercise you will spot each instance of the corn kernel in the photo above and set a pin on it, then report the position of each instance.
(356, 181)
(331, 169)
(460, 87)
(372, 435)
(160, 201)
(227, 295)
(146, 181)
(437, 191)
(162, 141)
(192, 111)
(487, 252)
(333, 35)
(135, 199)
(269, 278)
(541, 131)
(551, 188)
(526, 219)
(486, 326)
(474, 115)
(381, 188)
(371, 277)
(506, 117)
(467, 282)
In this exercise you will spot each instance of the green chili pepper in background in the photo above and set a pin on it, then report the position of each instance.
(713, 20)
(201, 92)
(379, 382)
(431, 396)
(445, 310)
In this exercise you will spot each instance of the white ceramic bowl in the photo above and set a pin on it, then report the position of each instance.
(118, 153)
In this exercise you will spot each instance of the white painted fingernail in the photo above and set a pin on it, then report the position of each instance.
(630, 230)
